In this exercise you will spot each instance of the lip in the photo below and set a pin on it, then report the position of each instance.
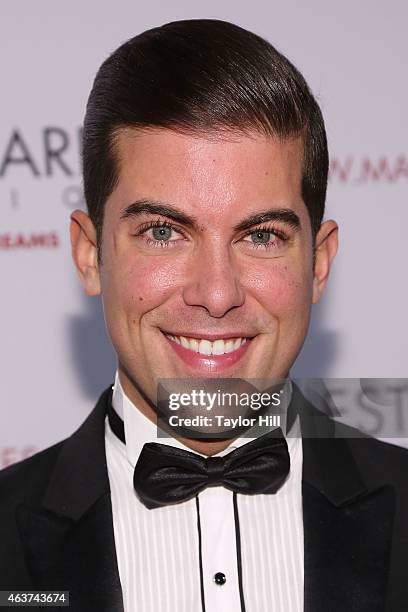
(209, 363)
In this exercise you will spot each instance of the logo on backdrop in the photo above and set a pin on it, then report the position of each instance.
(51, 155)
(39, 168)
(12, 454)
(364, 170)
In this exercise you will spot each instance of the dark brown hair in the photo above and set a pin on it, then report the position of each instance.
(200, 76)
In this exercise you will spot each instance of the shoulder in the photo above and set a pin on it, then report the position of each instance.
(378, 462)
(28, 479)
(376, 459)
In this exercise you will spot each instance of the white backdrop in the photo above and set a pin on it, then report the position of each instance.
(55, 358)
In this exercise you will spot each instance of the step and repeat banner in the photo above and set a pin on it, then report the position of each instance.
(55, 356)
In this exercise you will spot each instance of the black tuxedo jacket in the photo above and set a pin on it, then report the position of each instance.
(56, 528)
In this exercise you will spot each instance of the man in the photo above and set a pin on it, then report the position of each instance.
(205, 170)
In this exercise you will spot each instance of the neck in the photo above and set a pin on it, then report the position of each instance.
(209, 448)
(141, 403)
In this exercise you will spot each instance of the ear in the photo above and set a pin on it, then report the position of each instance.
(325, 250)
(84, 251)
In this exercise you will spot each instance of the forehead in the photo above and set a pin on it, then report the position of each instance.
(219, 174)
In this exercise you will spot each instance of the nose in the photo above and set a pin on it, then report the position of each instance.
(213, 281)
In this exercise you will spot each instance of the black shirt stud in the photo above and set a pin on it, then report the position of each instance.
(219, 578)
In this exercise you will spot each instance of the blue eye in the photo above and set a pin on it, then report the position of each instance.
(261, 237)
(161, 233)
(266, 239)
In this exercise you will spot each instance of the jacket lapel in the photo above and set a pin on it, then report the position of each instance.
(348, 523)
(68, 541)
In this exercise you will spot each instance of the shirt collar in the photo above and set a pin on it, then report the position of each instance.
(139, 430)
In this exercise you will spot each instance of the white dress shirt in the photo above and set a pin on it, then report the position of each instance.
(158, 550)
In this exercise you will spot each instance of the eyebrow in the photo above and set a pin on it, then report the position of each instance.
(283, 215)
(158, 208)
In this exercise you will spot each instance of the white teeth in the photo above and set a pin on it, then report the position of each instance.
(194, 344)
(206, 347)
(184, 342)
(229, 346)
(218, 347)
(237, 343)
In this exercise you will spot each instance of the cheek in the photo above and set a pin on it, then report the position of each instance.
(147, 283)
(283, 289)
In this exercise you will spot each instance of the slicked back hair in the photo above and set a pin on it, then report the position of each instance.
(203, 77)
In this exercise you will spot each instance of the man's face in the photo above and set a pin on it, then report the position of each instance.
(207, 258)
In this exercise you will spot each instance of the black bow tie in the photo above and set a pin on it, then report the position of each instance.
(167, 475)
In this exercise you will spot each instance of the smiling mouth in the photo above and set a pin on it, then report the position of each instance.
(209, 354)
(206, 348)
(202, 346)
